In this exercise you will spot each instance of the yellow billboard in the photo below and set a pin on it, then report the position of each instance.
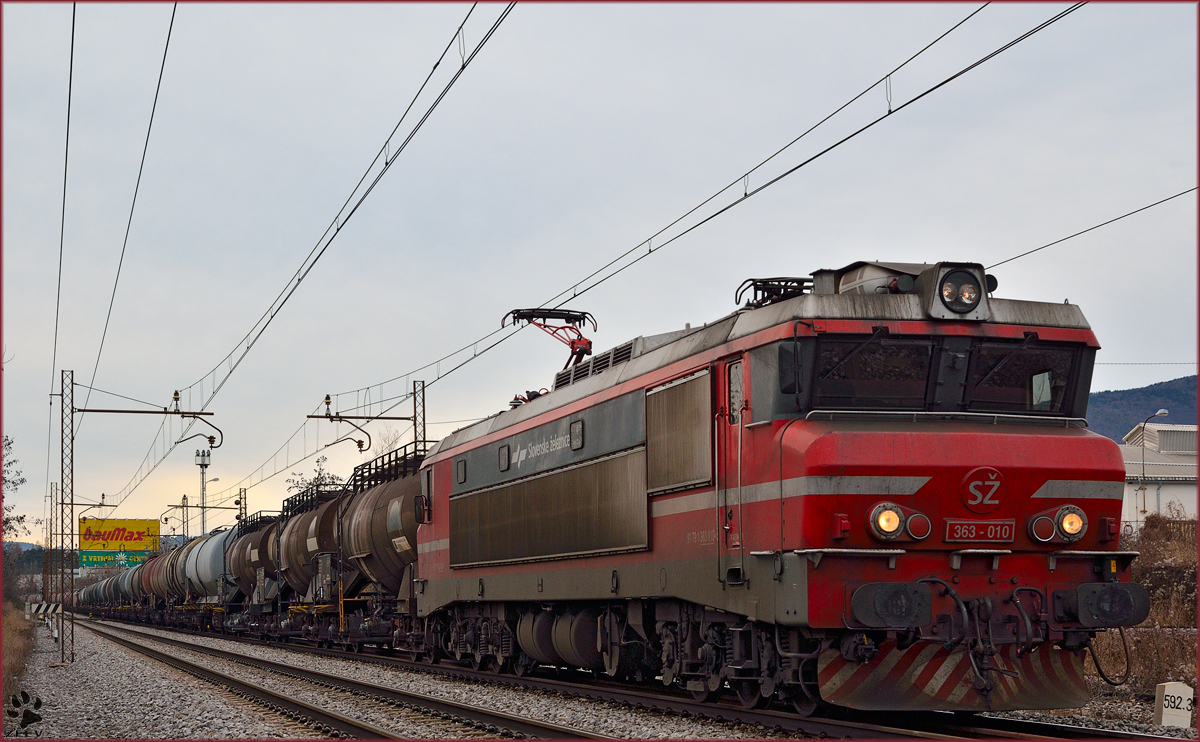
(110, 534)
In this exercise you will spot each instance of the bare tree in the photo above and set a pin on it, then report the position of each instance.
(298, 482)
(386, 440)
(14, 525)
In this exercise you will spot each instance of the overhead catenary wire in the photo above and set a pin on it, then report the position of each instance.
(575, 290)
(1089, 229)
(223, 496)
(124, 244)
(339, 221)
(743, 178)
(58, 291)
(122, 396)
(578, 288)
(740, 179)
(234, 358)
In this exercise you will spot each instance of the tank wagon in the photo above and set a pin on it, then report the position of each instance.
(871, 487)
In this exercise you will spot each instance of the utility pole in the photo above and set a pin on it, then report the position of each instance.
(66, 500)
(202, 459)
(67, 494)
(417, 418)
(418, 412)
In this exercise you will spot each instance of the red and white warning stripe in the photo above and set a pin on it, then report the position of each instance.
(928, 676)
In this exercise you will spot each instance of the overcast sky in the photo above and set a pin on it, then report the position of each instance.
(577, 132)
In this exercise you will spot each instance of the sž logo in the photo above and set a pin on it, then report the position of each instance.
(983, 489)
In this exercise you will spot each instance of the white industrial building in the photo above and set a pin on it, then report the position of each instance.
(1160, 468)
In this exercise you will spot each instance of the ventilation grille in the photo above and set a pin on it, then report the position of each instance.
(622, 353)
(595, 365)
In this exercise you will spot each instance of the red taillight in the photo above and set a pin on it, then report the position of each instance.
(1042, 529)
(918, 526)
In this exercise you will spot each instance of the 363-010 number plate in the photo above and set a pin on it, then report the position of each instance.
(991, 531)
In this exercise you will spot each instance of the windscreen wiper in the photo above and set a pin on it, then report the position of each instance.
(1024, 344)
(878, 331)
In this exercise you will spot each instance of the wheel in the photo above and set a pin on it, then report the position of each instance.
(476, 661)
(804, 705)
(499, 665)
(713, 688)
(749, 694)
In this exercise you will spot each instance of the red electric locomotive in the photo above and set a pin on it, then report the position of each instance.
(873, 488)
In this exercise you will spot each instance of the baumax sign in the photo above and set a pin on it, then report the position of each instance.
(108, 534)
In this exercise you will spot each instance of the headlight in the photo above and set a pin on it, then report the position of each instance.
(960, 291)
(1071, 523)
(887, 521)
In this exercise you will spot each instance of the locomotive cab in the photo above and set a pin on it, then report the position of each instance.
(948, 514)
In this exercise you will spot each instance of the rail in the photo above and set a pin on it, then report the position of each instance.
(329, 721)
(475, 715)
(840, 723)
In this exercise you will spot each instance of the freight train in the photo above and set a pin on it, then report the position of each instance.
(871, 487)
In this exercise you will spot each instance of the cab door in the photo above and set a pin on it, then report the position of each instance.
(731, 418)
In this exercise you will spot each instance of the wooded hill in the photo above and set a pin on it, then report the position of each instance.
(1115, 413)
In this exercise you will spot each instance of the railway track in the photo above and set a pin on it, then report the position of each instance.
(475, 721)
(842, 723)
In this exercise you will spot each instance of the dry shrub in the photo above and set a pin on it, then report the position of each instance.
(1163, 648)
(18, 643)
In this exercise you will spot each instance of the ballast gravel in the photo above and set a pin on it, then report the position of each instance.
(620, 721)
(402, 722)
(601, 717)
(1121, 716)
(114, 693)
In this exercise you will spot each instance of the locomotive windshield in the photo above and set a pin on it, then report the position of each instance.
(888, 374)
(1009, 378)
(882, 372)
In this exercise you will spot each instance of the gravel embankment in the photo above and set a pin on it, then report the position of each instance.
(1129, 715)
(402, 722)
(617, 720)
(578, 713)
(114, 693)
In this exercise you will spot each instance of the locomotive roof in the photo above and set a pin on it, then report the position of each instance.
(648, 353)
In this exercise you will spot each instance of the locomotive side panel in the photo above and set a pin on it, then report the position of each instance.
(583, 510)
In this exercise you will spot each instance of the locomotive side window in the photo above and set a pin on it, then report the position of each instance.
(880, 374)
(736, 394)
(576, 435)
(1006, 377)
